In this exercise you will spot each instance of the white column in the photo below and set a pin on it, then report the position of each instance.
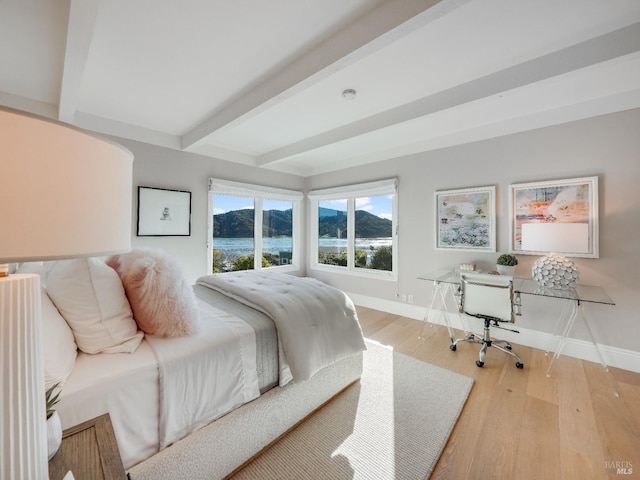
(23, 434)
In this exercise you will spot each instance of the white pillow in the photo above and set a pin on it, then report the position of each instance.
(60, 349)
(91, 298)
(39, 268)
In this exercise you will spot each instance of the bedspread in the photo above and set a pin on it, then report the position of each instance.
(317, 324)
(217, 374)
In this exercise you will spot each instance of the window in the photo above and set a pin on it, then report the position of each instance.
(332, 232)
(252, 227)
(277, 231)
(353, 229)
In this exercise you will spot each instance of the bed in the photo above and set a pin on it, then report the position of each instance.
(200, 405)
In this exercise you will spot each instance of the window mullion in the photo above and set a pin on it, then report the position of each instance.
(210, 213)
(257, 233)
(351, 233)
(314, 232)
(296, 233)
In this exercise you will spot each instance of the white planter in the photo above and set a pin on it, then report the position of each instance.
(506, 270)
(54, 434)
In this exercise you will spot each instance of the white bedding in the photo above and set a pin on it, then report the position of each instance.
(218, 375)
(152, 406)
(168, 388)
(317, 324)
(117, 383)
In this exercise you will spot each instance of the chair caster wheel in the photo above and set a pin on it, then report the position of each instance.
(479, 363)
(520, 365)
(508, 347)
(453, 347)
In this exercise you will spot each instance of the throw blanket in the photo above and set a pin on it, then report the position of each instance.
(317, 324)
(204, 375)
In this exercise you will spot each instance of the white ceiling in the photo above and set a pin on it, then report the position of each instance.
(259, 82)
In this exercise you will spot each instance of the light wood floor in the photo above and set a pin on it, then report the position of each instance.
(519, 424)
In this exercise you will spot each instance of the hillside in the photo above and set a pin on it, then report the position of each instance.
(367, 225)
(277, 223)
(239, 224)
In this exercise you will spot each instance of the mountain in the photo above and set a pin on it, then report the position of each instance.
(233, 224)
(329, 221)
(277, 223)
(371, 226)
(367, 225)
(239, 223)
(326, 212)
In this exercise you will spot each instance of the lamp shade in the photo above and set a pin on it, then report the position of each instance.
(64, 193)
(554, 271)
(558, 237)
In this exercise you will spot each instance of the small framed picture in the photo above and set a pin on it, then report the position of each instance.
(466, 219)
(163, 212)
(559, 216)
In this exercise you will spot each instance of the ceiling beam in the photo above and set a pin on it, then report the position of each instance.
(376, 29)
(607, 47)
(82, 20)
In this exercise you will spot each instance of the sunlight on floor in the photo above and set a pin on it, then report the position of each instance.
(378, 397)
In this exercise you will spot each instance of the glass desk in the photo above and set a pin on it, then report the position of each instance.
(448, 282)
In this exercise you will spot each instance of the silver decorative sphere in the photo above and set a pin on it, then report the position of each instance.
(555, 271)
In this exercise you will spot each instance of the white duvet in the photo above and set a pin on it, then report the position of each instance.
(317, 324)
(217, 376)
(171, 387)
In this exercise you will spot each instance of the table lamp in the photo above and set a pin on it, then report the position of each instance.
(64, 194)
(554, 270)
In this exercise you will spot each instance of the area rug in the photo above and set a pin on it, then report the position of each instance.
(393, 424)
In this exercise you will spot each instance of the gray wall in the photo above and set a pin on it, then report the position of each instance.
(607, 146)
(164, 168)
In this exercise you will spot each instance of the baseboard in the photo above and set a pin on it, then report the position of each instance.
(613, 356)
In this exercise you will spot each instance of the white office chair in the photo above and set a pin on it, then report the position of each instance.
(489, 297)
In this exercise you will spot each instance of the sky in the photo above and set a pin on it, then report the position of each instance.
(378, 205)
(226, 203)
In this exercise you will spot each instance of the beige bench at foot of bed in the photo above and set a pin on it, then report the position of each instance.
(220, 448)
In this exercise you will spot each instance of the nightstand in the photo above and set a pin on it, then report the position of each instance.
(90, 451)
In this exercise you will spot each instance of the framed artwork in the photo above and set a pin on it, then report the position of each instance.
(163, 212)
(564, 212)
(466, 219)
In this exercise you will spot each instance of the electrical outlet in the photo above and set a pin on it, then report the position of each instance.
(403, 297)
(410, 298)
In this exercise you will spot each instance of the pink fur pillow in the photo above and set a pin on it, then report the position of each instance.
(161, 299)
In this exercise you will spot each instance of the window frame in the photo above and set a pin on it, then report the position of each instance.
(350, 193)
(258, 193)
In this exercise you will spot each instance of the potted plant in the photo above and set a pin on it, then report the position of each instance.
(506, 264)
(54, 427)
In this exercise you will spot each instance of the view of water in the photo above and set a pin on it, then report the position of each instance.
(363, 243)
(245, 246)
